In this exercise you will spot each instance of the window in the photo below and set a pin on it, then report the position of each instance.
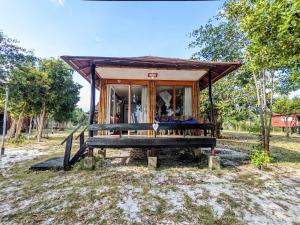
(174, 101)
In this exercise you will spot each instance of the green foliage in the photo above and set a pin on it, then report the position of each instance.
(79, 116)
(254, 128)
(50, 84)
(287, 106)
(222, 40)
(264, 35)
(19, 141)
(272, 29)
(11, 55)
(63, 94)
(259, 158)
(27, 87)
(38, 88)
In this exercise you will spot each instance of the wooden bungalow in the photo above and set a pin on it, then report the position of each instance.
(146, 102)
(287, 121)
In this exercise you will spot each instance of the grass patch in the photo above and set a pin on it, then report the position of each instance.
(228, 201)
(282, 149)
(250, 180)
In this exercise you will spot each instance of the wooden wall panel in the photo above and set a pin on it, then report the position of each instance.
(152, 101)
(195, 100)
(103, 102)
(127, 81)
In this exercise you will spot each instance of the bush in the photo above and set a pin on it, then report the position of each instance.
(21, 140)
(259, 158)
(254, 128)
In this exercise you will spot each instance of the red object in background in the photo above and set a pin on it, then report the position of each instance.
(278, 120)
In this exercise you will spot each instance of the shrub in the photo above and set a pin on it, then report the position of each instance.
(259, 158)
(21, 140)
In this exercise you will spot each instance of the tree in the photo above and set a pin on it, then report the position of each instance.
(79, 116)
(44, 91)
(27, 86)
(287, 107)
(272, 31)
(62, 97)
(38, 88)
(222, 40)
(11, 55)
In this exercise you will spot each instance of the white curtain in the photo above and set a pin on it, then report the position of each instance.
(144, 105)
(187, 104)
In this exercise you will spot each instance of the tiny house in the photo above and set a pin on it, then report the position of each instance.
(149, 103)
(145, 89)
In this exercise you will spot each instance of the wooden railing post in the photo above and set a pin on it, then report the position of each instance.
(92, 103)
(81, 139)
(68, 149)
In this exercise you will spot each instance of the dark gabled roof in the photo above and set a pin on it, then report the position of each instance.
(218, 69)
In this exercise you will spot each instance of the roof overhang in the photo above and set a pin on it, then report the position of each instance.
(140, 67)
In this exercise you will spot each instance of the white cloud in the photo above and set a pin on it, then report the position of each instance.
(59, 2)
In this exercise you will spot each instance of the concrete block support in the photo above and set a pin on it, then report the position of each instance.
(197, 153)
(214, 162)
(89, 162)
(152, 163)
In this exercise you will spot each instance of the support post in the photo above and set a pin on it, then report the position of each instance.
(129, 106)
(211, 101)
(4, 120)
(212, 120)
(92, 103)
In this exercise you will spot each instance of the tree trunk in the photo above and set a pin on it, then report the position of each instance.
(264, 102)
(260, 109)
(40, 122)
(19, 125)
(12, 129)
(269, 114)
(286, 129)
(29, 130)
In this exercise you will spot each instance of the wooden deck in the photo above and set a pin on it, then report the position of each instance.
(153, 142)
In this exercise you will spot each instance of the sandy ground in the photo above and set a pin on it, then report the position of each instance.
(131, 194)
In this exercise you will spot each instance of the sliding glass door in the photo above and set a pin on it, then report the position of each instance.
(127, 104)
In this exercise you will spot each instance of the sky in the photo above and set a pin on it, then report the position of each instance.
(74, 27)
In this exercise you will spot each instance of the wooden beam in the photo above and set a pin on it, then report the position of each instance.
(174, 82)
(149, 126)
(92, 102)
(142, 142)
(127, 81)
